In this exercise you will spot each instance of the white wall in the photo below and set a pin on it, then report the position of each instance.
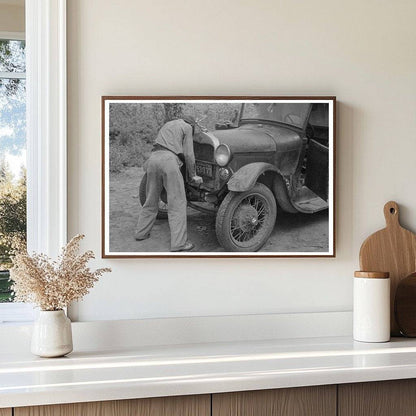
(361, 51)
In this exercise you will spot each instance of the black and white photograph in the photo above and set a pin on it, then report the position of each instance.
(218, 176)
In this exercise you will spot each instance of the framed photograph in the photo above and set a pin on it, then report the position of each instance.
(218, 176)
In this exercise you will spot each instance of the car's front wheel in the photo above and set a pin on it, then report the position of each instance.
(245, 220)
(163, 205)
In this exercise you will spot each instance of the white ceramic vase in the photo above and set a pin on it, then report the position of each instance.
(52, 334)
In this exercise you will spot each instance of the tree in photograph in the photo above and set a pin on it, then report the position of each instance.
(172, 111)
(134, 126)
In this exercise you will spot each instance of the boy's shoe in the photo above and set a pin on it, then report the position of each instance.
(187, 247)
(141, 238)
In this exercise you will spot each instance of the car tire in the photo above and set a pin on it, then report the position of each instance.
(245, 220)
(162, 212)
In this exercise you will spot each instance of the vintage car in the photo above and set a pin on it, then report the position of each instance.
(276, 154)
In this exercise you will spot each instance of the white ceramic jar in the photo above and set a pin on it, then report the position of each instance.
(52, 334)
(371, 304)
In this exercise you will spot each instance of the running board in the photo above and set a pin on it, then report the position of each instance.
(308, 202)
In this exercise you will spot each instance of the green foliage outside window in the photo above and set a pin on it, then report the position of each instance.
(12, 223)
(12, 145)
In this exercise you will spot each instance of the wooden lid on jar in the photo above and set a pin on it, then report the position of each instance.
(372, 275)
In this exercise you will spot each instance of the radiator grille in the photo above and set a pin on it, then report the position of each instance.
(204, 151)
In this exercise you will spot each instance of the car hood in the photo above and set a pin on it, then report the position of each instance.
(253, 138)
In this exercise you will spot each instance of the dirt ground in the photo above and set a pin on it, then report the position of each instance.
(292, 232)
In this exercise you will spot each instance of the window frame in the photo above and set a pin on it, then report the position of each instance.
(12, 35)
(46, 137)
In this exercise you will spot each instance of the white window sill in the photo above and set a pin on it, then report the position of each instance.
(16, 313)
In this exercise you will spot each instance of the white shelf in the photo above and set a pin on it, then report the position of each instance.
(151, 371)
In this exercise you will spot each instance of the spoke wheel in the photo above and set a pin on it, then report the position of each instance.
(245, 220)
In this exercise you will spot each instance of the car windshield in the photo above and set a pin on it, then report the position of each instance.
(289, 113)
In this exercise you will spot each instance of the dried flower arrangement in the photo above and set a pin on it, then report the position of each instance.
(53, 285)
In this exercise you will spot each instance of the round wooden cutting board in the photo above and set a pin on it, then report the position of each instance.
(393, 250)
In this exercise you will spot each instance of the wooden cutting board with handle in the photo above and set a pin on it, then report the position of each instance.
(393, 250)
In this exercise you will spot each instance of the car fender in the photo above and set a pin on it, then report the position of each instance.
(247, 176)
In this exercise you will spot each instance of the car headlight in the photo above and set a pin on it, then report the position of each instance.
(222, 155)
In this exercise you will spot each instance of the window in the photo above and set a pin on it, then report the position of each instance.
(12, 153)
(45, 89)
